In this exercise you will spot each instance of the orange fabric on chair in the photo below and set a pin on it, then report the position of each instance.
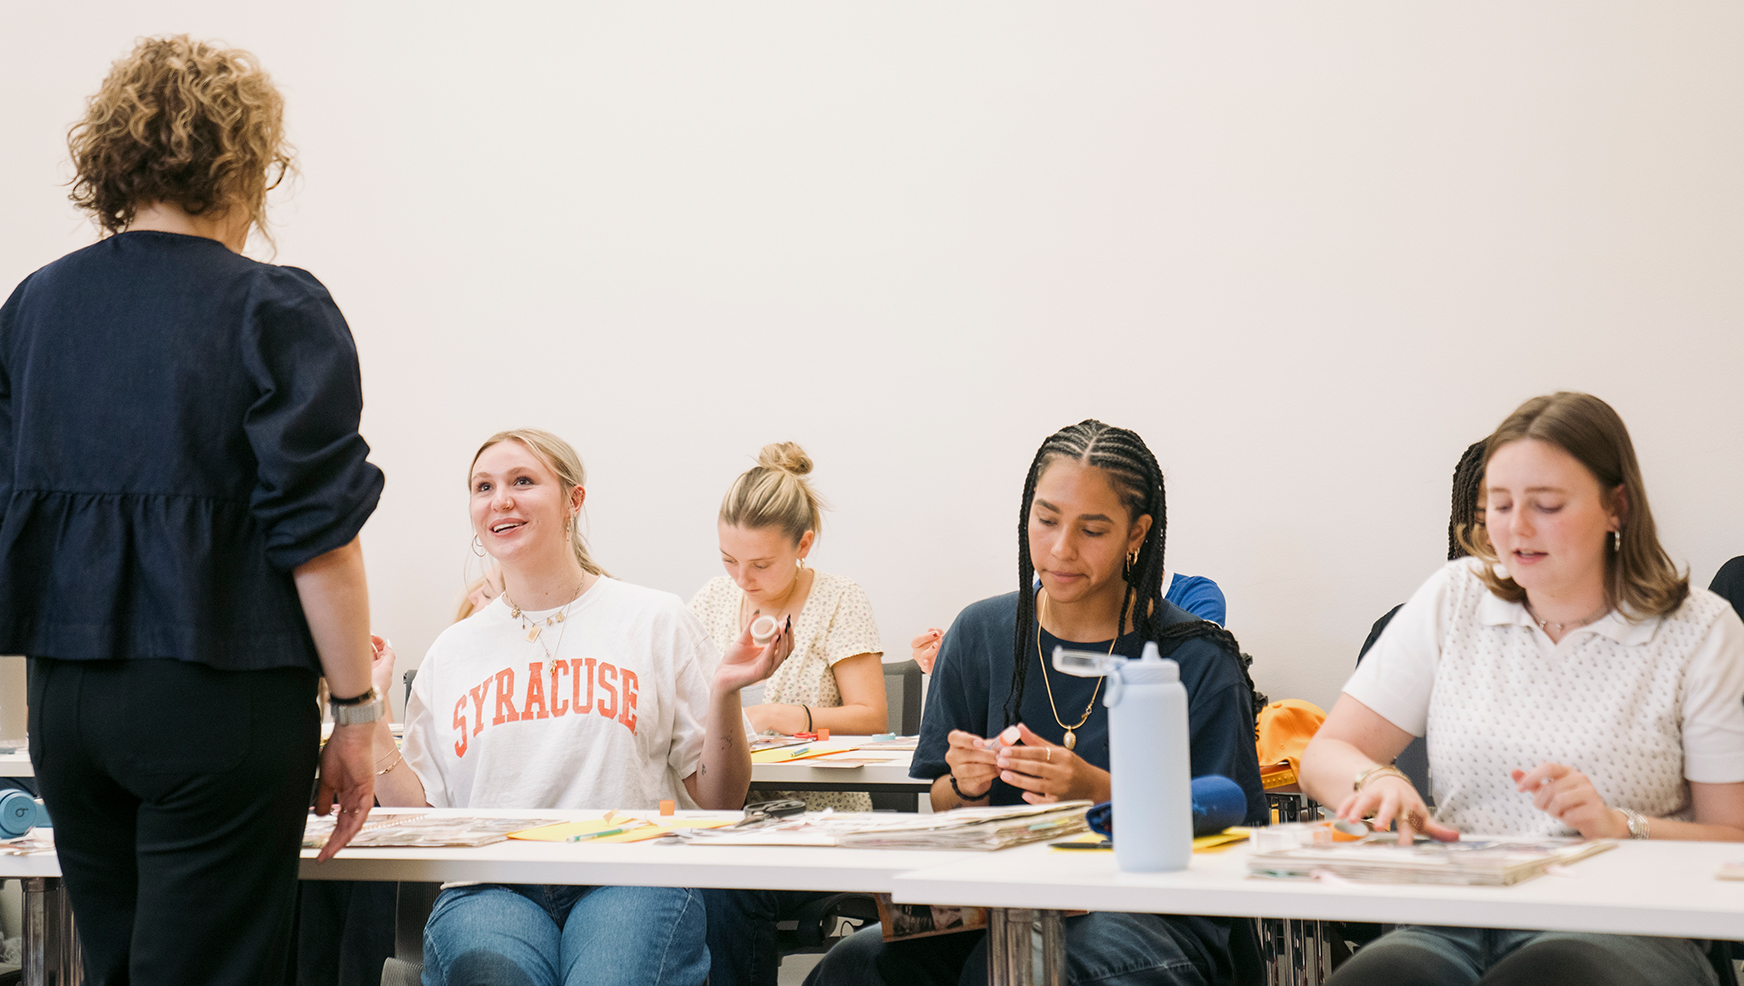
(1285, 729)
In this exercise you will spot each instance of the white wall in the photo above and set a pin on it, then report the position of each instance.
(1308, 251)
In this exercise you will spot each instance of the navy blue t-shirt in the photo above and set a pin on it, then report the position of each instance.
(178, 431)
(972, 679)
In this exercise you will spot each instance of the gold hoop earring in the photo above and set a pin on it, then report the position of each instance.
(477, 546)
(1131, 560)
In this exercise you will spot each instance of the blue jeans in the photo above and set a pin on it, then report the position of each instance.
(1106, 948)
(1461, 956)
(743, 949)
(536, 935)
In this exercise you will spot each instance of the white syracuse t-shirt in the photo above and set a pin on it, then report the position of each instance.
(612, 718)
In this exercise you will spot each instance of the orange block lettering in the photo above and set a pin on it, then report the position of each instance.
(575, 674)
(478, 705)
(535, 691)
(460, 727)
(608, 703)
(505, 698)
(627, 681)
(559, 707)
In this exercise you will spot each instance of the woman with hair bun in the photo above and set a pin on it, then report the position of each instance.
(181, 489)
(1569, 681)
(769, 522)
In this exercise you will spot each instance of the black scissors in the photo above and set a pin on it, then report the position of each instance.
(768, 811)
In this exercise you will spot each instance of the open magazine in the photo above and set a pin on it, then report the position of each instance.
(417, 830)
(1380, 859)
(962, 828)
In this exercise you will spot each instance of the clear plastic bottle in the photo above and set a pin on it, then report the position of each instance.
(1151, 776)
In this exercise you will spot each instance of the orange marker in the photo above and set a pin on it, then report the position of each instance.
(823, 735)
(668, 808)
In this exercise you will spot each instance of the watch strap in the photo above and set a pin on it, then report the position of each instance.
(356, 715)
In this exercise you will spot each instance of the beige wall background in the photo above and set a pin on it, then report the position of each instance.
(1308, 251)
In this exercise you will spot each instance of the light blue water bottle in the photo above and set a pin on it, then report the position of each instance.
(1152, 784)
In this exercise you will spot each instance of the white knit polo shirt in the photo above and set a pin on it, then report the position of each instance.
(1639, 707)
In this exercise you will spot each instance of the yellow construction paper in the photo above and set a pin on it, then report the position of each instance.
(785, 754)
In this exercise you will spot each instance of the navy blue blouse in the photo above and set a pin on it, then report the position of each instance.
(178, 431)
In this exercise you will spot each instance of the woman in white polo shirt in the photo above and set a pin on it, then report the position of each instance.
(1570, 682)
(569, 690)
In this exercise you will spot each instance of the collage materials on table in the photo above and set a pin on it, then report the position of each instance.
(418, 830)
(1380, 859)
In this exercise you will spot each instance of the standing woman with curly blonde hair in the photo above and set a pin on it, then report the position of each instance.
(181, 489)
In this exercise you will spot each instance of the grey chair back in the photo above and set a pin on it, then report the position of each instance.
(902, 695)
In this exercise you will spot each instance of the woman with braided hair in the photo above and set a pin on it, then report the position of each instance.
(1091, 526)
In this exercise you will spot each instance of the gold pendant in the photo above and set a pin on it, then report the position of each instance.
(1071, 739)
(558, 618)
(533, 634)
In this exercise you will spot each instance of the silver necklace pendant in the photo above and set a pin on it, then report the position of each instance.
(1071, 739)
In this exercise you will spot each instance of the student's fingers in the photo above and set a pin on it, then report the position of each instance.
(1388, 809)
(1039, 799)
(1546, 771)
(1025, 782)
(1028, 738)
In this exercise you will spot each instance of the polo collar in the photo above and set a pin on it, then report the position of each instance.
(1496, 611)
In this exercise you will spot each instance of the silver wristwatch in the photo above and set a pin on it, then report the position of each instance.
(1637, 823)
(363, 709)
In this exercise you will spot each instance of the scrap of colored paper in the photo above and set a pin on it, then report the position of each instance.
(1216, 842)
(666, 827)
(786, 754)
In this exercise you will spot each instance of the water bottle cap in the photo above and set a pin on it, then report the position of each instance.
(1150, 669)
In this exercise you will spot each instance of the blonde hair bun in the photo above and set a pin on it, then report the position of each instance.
(775, 494)
(786, 457)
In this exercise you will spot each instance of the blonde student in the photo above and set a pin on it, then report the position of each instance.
(769, 522)
(570, 689)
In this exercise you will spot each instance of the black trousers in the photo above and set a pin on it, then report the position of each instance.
(178, 794)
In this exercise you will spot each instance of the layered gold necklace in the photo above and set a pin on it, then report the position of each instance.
(1071, 740)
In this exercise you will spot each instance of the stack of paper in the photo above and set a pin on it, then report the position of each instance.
(417, 830)
(1379, 859)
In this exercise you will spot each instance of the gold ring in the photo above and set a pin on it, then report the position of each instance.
(1048, 751)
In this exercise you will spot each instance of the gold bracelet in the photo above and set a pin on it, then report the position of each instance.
(1377, 770)
(398, 759)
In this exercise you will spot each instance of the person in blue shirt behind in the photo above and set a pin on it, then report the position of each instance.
(1093, 518)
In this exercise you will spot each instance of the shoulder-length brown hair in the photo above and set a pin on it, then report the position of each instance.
(180, 121)
(1640, 579)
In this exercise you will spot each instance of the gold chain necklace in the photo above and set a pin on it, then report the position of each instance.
(536, 629)
(1071, 735)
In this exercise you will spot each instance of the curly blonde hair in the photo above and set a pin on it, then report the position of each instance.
(185, 122)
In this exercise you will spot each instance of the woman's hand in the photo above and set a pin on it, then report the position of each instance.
(1046, 772)
(926, 648)
(381, 672)
(744, 663)
(1569, 796)
(972, 764)
(1389, 797)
